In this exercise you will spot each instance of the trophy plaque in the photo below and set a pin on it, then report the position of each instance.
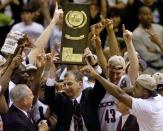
(74, 33)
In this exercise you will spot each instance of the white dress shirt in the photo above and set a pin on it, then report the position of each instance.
(72, 120)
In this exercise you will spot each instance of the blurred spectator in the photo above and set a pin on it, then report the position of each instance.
(153, 5)
(131, 15)
(148, 39)
(27, 26)
(95, 11)
(160, 5)
(116, 17)
(117, 4)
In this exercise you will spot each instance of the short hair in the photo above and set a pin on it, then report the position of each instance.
(27, 8)
(77, 75)
(19, 92)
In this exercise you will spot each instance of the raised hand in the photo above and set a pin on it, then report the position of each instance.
(41, 60)
(57, 14)
(89, 71)
(109, 24)
(89, 56)
(97, 28)
(16, 61)
(55, 56)
(96, 41)
(43, 126)
(127, 35)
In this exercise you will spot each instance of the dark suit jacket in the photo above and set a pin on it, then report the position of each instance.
(62, 106)
(16, 120)
(131, 124)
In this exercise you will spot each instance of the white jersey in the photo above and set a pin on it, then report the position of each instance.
(108, 114)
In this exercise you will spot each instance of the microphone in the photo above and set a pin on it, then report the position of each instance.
(42, 117)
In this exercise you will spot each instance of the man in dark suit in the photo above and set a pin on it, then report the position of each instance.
(17, 118)
(62, 104)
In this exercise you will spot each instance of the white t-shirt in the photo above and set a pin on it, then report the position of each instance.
(149, 113)
(108, 114)
(33, 31)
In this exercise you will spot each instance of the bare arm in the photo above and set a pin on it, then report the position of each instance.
(110, 87)
(96, 42)
(40, 63)
(45, 11)
(42, 41)
(113, 43)
(133, 59)
(4, 80)
(3, 105)
(104, 8)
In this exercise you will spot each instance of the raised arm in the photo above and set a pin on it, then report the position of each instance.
(104, 8)
(42, 41)
(96, 42)
(113, 43)
(111, 88)
(40, 63)
(4, 80)
(133, 71)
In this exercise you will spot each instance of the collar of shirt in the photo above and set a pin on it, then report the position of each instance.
(124, 118)
(22, 110)
(11, 86)
(78, 98)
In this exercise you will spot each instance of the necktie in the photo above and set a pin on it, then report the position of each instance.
(31, 116)
(78, 124)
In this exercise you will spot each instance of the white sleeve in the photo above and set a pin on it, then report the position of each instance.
(50, 82)
(139, 107)
(98, 69)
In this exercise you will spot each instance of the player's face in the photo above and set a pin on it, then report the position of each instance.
(115, 75)
(138, 91)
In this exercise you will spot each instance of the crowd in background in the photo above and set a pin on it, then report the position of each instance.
(120, 87)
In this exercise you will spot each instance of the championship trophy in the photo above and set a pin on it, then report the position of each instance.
(75, 33)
